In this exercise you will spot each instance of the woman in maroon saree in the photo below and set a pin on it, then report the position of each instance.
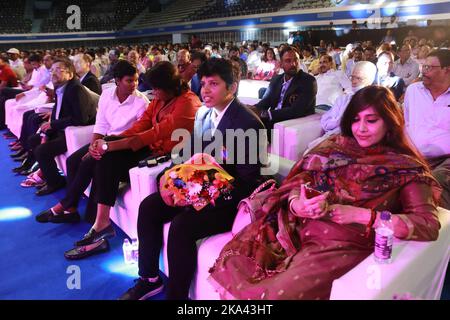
(299, 246)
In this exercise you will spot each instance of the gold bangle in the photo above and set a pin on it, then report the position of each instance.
(291, 201)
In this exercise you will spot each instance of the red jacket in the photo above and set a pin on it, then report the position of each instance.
(158, 122)
(7, 74)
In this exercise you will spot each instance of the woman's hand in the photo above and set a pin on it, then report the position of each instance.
(345, 214)
(313, 208)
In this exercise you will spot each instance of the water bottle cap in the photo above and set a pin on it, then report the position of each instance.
(385, 215)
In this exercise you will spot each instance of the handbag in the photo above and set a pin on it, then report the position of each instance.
(252, 205)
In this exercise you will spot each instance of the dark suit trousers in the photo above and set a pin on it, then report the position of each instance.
(45, 154)
(186, 228)
(5, 94)
(110, 170)
(79, 175)
(30, 124)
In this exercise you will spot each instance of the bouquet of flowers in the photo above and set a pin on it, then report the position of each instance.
(198, 182)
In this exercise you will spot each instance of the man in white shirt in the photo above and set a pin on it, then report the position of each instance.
(331, 84)
(363, 75)
(393, 23)
(118, 108)
(427, 117)
(405, 67)
(16, 63)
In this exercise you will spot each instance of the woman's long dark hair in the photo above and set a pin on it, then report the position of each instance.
(164, 75)
(384, 103)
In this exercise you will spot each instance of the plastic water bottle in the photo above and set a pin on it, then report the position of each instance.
(135, 250)
(127, 251)
(384, 236)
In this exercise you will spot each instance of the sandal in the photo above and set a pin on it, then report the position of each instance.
(33, 180)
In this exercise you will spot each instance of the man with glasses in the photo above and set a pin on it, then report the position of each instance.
(405, 67)
(74, 106)
(427, 117)
(363, 75)
(386, 77)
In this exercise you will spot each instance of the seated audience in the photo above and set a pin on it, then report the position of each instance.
(222, 113)
(173, 107)
(119, 108)
(427, 116)
(301, 243)
(74, 107)
(82, 64)
(269, 66)
(331, 84)
(289, 95)
(405, 67)
(386, 78)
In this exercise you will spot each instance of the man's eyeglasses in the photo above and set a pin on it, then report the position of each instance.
(57, 70)
(427, 67)
(356, 78)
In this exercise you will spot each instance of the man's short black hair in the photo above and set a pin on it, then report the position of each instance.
(288, 49)
(35, 58)
(198, 55)
(124, 68)
(221, 67)
(443, 56)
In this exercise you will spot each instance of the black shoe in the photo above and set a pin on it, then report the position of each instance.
(47, 189)
(84, 252)
(22, 157)
(26, 165)
(18, 153)
(143, 289)
(94, 236)
(48, 216)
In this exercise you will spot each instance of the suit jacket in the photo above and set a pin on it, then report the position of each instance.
(299, 100)
(236, 117)
(91, 82)
(78, 107)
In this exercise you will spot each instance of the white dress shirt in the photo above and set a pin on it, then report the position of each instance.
(331, 119)
(59, 97)
(428, 120)
(217, 115)
(409, 71)
(114, 117)
(330, 86)
(40, 77)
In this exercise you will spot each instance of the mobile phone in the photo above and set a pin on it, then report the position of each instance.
(311, 192)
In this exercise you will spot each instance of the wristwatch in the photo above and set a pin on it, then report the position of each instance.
(105, 146)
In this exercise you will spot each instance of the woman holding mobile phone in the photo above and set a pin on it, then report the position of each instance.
(320, 223)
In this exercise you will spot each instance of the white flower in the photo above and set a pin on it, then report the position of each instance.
(173, 175)
(194, 188)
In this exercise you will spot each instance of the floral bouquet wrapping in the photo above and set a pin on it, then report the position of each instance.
(198, 182)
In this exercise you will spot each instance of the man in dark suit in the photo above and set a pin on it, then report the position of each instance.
(87, 78)
(290, 95)
(74, 106)
(221, 116)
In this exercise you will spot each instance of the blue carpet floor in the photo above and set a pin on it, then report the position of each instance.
(32, 264)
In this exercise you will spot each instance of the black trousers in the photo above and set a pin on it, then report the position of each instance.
(112, 168)
(5, 94)
(31, 122)
(186, 228)
(45, 154)
(79, 175)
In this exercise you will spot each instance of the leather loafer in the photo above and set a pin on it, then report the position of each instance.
(94, 236)
(18, 153)
(85, 251)
(26, 165)
(48, 216)
(21, 158)
(47, 189)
